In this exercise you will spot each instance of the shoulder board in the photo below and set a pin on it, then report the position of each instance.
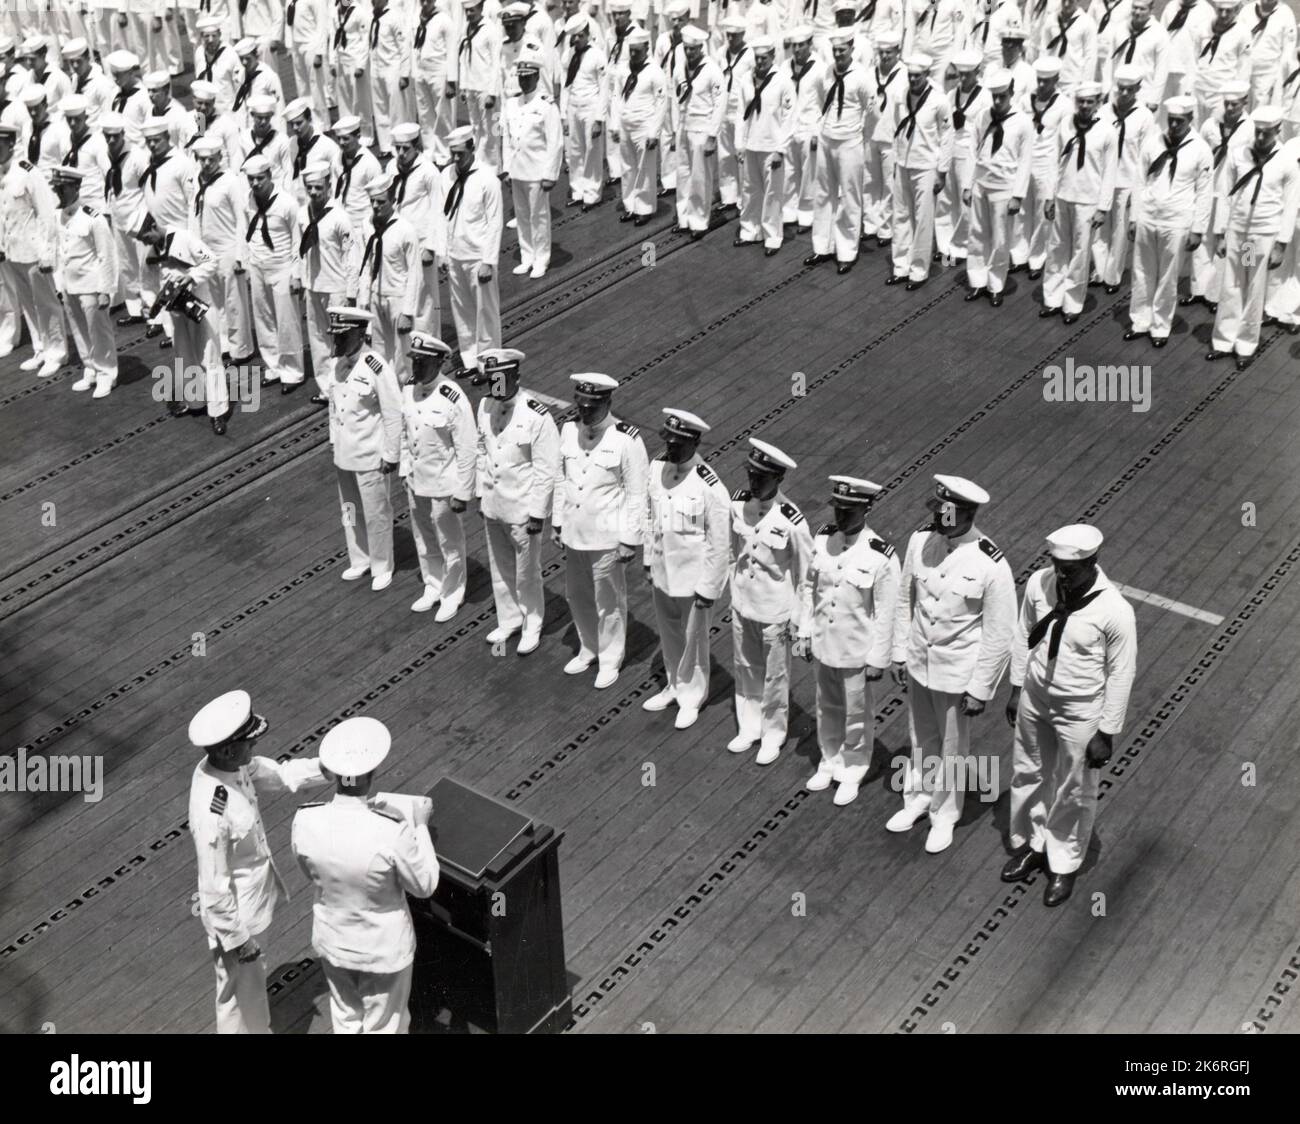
(741, 494)
(449, 391)
(91, 212)
(313, 804)
(827, 529)
(660, 457)
(707, 474)
(986, 545)
(26, 167)
(219, 798)
(386, 814)
(628, 428)
(792, 513)
(535, 405)
(881, 547)
(374, 364)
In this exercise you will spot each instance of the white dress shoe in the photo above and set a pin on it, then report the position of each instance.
(528, 643)
(6, 349)
(904, 818)
(577, 666)
(353, 573)
(48, 368)
(84, 383)
(739, 743)
(606, 677)
(380, 582)
(662, 701)
(500, 634)
(537, 271)
(846, 793)
(767, 754)
(822, 778)
(686, 717)
(521, 269)
(939, 838)
(428, 599)
(32, 362)
(447, 610)
(103, 390)
(513, 224)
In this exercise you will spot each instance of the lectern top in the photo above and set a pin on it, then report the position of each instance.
(472, 829)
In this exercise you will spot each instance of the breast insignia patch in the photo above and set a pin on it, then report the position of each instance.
(220, 797)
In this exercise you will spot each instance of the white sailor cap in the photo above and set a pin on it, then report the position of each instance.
(246, 46)
(800, 33)
(470, 3)
(677, 8)
(733, 25)
(205, 24)
(74, 104)
(638, 37)
(958, 490)
(355, 747)
(122, 60)
(1089, 90)
(32, 45)
(33, 95)
(998, 80)
(426, 343)
(684, 423)
(345, 317)
(256, 164)
(515, 11)
(1234, 89)
(1266, 116)
(762, 44)
(1126, 74)
(346, 126)
(575, 23)
(694, 36)
(968, 59)
(853, 489)
(156, 80)
(918, 64)
(613, 6)
(592, 385)
(406, 132)
(226, 718)
(379, 187)
(500, 359)
(75, 48)
(1181, 105)
(845, 6)
(1075, 542)
(1225, 3)
(1013, 28)
(155, 127)
(318, 171)
(888, 41)
(203, 91)
(842, 36)
(205, 146)
(262, 104)
(768, 458)
(6, 43)
(460, 137)
(110, 122)
(299, 107)
(1047, 66)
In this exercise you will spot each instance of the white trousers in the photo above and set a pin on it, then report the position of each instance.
(92, 332)
(595, 585)
(41, 309)
(1245, 283)
(384, 336)
(242, 1005)
(348, 93)
(319, 341)
(878, 200)
(640, 172)
(989, 248)
(198, 344)
(1110, 243)
(694, 182)
(367, 511)
(1283, 299)
(388, 104)
(515, 559)
(845, 715)
(486, 124)
(584, 155)
(938, 730)
(277, 321)
(913, 222)
(428, 308)
(951, 215)
(800, 181)
(436, 114)
(233, 303)
(476, 309)
(731, 171)
(763, 189)
(761, 657)
(1065, 276)
(440, 545)
(130, 268)
(533, 214)
(1053, 791)
(11, 321)
(1207, 266)
(837, 214)
(684, 638)
(1157, 261)
(1032, 230)
(368, 1002)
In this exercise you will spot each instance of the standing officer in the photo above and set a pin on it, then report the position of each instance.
(364, 857)
(952, 639)
(771, 548)
(1072, 669)
(417, 196)
(599, 510)
(518, 454)
(687, 539)
(273, 242)
(532, 144)
(238, 883)
(584, 104)
(472, 209)
(390, 277)
(366, 432)
(439, 448)
(849, 599)
(637, 112)
(329, 254)
(698, 102)
(766, 126)
(1172, 193)
(84, 273)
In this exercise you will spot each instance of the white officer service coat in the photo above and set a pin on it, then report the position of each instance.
(848, 599)
(363, 861)
(688, 530)
(365, 413)
(238, 882)
(771, 551)
(600, 486)
(439, 440)
(956, 614)
(518, 451)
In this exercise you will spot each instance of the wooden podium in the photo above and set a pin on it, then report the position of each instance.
(490, 942)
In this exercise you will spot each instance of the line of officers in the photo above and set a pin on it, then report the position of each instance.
(945, 621)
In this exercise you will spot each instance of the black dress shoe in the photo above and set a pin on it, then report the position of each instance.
(696, 235)
(626, 216)
(1133, 334)
(319, 399)
(289, 387)
(573, 203)
(768, 251)
(882, 242)
(1059, 887)
(219, 425)
(1183, 302)
(912, 286)
(842, 267)
(817, 259)
(1213, 306)
(936, 256)
(1034, 274)
(267, 380)
(892, 280)
(165, 343)
(153, 331)
(641, 220)
(1213, 355)
(1159, 342)
(1112, 289)
(738, 241)
(973, 295)
(1022, 866)
(127, 321)
(1069, 318)
(1292, 329)
(1017, 268)
(589, 206)
(177, 409)
(1243, 361)
(803, 229)
(1044, 313)
(664, 191)
(995, 299)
